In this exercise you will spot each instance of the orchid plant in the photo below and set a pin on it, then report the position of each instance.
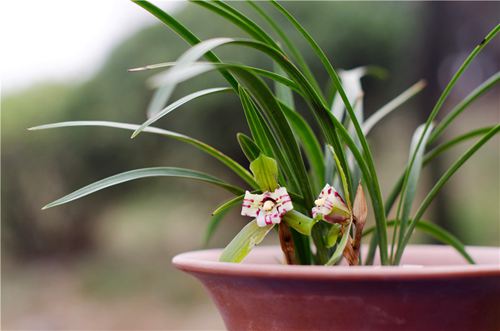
(308, 186)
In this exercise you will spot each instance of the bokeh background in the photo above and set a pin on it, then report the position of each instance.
(103, 262)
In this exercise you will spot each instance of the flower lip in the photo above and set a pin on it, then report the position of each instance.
(268, 208)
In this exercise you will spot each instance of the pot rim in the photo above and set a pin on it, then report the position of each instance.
(205, 262)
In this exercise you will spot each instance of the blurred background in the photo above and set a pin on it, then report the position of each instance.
(103, 262)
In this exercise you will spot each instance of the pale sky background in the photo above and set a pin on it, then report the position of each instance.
(63, 39)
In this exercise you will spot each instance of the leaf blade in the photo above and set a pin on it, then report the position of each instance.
(173, 106)
(223, 158)
(138, 174)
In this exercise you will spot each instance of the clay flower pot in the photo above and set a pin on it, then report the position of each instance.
(436, 290)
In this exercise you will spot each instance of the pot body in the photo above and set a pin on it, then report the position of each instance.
(436, 292)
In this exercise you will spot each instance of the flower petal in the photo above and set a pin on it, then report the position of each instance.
(331, 206)
(251, 203)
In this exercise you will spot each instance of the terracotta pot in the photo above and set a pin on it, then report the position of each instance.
(436, 290)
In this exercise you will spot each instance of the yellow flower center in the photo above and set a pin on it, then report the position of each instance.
(319, 202)
(268, 205)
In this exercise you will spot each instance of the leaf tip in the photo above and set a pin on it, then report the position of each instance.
(135, 69)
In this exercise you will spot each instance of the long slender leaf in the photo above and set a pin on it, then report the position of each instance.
(248, 146)
(327, 128)
(372, 189)
(228, 204)
(184, 33)
(277, 78)
(240, 20)
(391, 198)
(408, 195)
(143, 173)
(435, 152)
(436, 232)
(457, 110)
(439, 185)
(341, 172)
(257, 125)
(218, 215)
(158, 100)
(351, 82)
(155, 117)
(289, 44)
(326, 124)
(283, 92)
(380, 219)
(392, 105)
(190, 38)
(281, 129)
(437, 107)
(226, 160)
(309, 143)
(429, 156)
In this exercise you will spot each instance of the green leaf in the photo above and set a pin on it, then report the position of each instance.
(439, 185)
(309, 143)
(289, 44)
(244, 242)
(299, 222)
(143, 173)
(228, 204)
(437, 233)
(338, 85)
(332, 235)
(295, 170)
(239, 19)
(351, 82)
(157, 103)
(371, 185)
(155, 117)
(248, 146)
(392, 105)
(282, 80)
(345, 185)
(408, 195)
(457, 110)
(391, 198)
(218, 215)
(439, 104)
(429, 156)
(265, 171)
(226, 160)
(371, 179)
(283, 92)
(258, 127)
(337, 255)
(435, 152)
(184, 33)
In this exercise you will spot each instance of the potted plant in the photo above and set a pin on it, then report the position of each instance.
(310, 189)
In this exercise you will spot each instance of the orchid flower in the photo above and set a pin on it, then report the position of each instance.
(330, 206)
(268, 208)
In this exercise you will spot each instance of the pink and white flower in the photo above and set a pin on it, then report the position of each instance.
(268, 208)
(331, 206)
